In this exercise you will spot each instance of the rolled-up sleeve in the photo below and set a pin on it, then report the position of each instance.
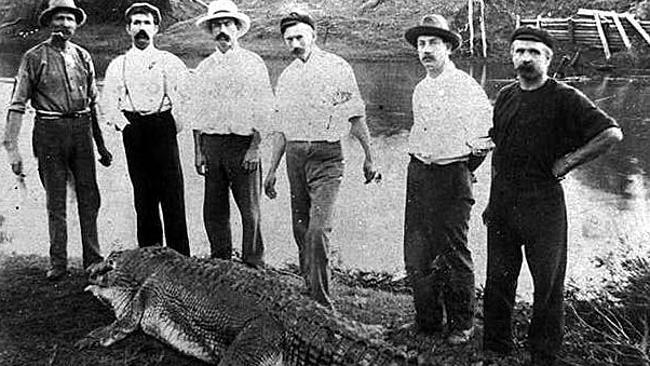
(348, 101)
(23, 86)
(109, 100)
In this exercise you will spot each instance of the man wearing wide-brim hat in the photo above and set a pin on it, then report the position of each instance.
(450, 111)
(233, 102)
(58, 77)
(145, 97)
(542, 129)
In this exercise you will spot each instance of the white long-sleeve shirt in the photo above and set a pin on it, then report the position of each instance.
(316, 99)
(232, 94)
(147, 75)
(449, 111)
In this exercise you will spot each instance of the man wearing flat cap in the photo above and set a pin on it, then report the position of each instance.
(317, 103)
(58, 77)
(232, 106)
(450, 111)
(543, 129)
(145, 98)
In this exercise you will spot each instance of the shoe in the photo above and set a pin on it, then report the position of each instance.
(55, 274)
(460, 336)
(414, 328)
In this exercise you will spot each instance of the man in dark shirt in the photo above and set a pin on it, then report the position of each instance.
(59, 78)
(542, 129)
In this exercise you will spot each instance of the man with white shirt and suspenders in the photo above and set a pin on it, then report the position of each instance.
(142, 89)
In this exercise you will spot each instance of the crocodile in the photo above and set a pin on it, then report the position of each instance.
(227, 313)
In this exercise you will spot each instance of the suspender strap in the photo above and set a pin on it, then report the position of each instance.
(128, 94)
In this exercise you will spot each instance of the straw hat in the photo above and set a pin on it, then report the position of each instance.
(56, 5)
(433, 25)
(225, 9)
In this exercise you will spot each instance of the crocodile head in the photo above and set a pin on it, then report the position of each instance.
(118, 278)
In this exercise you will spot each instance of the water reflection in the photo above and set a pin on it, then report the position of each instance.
(607, 199)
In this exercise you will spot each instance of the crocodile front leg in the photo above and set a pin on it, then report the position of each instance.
(128, 320)
(259, 343)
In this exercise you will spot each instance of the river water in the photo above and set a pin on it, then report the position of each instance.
(607, 199)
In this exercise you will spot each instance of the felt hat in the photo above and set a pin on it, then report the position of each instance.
(57, 5)
(527, 33)
(294, 18)
(225, 9)
(143, 7)
(433, 25)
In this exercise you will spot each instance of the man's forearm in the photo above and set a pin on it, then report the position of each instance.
(256, 140)
(597, 146)
(97, 132)
(197, 142)
(359, 129)
(12, 130)
(278, 149)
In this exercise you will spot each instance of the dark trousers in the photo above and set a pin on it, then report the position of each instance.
(535, 219)
(155, 170)
(438, 262)
(224, 156)
(64, 146)
(315, 171)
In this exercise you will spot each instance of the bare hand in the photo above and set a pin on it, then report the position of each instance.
(269, 186)
(199, 164)
(560, 168)
(106, 158)
(251, 160)
(370, 172)
(17, 167)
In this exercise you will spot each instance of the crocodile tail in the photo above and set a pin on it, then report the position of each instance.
(317, 336)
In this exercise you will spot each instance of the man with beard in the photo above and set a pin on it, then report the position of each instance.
(58, 77)
(232, 106)
(144, 96)
(318, 102)
(450, 110)
(542, 129)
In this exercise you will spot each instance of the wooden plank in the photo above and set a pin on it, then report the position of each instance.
(621, 30)
(638, 27)
(470, 22)
(601, 34)
(483, 36)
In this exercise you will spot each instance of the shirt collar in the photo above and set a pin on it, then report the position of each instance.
(447, 71)
(135, 51)
(231, 52)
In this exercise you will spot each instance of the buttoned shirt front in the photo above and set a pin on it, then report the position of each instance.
(145, 81)
(449, 111)
(232, 93)
(55, 80)
(316, 99)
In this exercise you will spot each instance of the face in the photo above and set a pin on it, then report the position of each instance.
(300, 39)
(63, 24)
(531, 59)
(225, 32)
(433, 52)
(142, 29)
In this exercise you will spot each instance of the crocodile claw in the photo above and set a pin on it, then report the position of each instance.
(86, 342)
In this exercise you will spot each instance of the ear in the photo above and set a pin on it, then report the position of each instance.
(156, 28)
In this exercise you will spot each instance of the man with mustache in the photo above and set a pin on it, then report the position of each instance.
(450, 110)
(145, 98)
(232, 105)
(318, 102)
(543, 129)
(58, 77)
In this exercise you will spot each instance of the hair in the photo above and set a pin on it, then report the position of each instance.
(145, 11)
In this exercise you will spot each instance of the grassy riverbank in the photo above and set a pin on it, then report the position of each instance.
(41, 321)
